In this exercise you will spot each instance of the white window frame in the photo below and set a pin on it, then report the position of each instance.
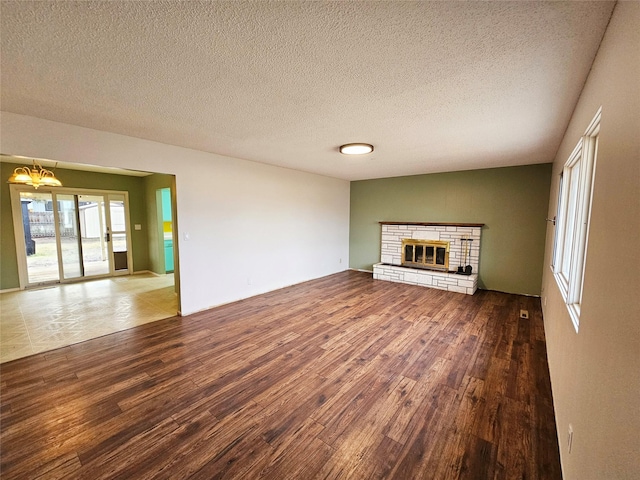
(572, 220)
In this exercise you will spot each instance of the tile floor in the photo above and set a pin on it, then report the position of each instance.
(34, 321)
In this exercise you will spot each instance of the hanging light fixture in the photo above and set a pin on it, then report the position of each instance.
(356, 149)
(36, 176)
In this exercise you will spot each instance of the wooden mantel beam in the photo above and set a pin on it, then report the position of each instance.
(436, 224)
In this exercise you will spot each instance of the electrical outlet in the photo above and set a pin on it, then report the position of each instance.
(569, 438)
(544, 301)
(524, 314)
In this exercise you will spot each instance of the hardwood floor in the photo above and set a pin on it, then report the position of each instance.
(342, 377)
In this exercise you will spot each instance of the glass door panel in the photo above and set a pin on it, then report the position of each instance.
(69, 238)
(39, 237)
(118, 224)
(429, 259)
(120, 261)
(408, 253)
(94, 235)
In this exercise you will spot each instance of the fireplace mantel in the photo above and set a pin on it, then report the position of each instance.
(435, 224)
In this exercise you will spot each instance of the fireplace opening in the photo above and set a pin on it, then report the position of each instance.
(427, 254)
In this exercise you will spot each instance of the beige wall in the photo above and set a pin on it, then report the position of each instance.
(595, 373)
(245, 228)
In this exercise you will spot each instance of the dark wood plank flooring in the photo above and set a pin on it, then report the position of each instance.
(343, 377)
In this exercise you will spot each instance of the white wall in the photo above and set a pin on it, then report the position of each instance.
(595, 373)
(252, 228)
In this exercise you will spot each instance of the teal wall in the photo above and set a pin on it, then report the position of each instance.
(512, 203)
(74, 179)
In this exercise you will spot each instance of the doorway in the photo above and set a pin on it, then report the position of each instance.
(165, 225)
(65, 235)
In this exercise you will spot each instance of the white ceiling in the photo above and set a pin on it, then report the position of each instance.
(435, 86)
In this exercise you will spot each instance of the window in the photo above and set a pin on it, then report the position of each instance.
(572, 219)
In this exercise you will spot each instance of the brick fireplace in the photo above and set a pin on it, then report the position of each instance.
(425, 244)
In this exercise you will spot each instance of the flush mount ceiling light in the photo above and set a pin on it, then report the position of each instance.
(356, 149)
(35, 176)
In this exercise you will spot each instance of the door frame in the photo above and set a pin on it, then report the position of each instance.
(18, 228)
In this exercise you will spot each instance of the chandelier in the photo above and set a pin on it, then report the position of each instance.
(36, 176)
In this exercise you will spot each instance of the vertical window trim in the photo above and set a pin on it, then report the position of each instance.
(556, 224)
(563, 255)
(574, 254)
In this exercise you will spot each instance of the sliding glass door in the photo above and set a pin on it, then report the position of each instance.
(38, 239)
(118, 232)
(94, 243)
(67, 234)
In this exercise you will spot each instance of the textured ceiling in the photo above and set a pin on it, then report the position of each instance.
(435, 87)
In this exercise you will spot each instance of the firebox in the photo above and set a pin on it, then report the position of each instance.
(427, 254)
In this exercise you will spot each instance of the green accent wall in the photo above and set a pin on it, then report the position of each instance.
(74, 179)
(8, 258)
(512, 202)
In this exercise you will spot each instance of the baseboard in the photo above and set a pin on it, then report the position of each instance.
(9, 290)
(509, 293)
(141, 272)
(361, 270)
